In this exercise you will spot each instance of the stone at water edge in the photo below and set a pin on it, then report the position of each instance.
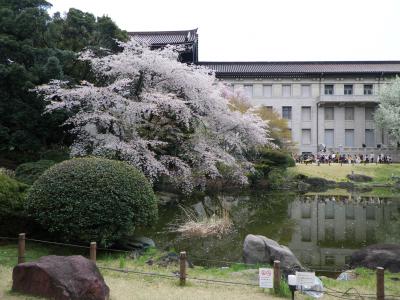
(379, 255)
(359, 177)
(60, 278)
(259, 249)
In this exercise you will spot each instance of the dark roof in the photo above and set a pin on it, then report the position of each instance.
(265, 68)
(165, 37)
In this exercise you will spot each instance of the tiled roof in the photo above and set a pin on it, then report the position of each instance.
(301, 68)
(165, 37)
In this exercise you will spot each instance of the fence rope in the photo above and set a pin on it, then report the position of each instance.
(137, 272)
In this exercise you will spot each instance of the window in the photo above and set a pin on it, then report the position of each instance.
(329, 113)
(348, 89)
(349, 137)
(306, 136)
(329, 260)
(329, 210)
(350, 232)
(306, 113)
(305, 210)
(287, 112)
(328, 89)
(268, 108)
(306, 90)
(329, 137)
(248, 90)
(369, 113)
(368, 89)
(329, 232)
(286, 90)
(349, 113)
(369, 137)
(370, 212)
(306, 233)
(267, 91)
(370, 234)
(350, 212)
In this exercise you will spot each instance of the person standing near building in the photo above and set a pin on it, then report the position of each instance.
(372, 158)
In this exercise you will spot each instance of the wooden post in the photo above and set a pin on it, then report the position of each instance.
(182, 270)
(21, 248)
(93, 247)
(380, 283)
(277, 275)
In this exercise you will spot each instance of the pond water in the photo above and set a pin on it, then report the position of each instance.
(322, 229)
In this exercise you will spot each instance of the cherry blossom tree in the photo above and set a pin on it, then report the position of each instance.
(166, 118)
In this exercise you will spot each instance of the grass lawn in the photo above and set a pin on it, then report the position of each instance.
(134, 286)
(381, 173)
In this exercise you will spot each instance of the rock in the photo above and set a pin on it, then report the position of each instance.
(347, 275)
(60, 278)
(379, 255)
(319, 182)
(259, 249)
(303, 186)
(135, 243)
(345, 185)
(172, 259)
(359, 177)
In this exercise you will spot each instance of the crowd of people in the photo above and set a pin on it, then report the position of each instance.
(327, 158)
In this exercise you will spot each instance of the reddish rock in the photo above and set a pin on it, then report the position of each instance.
(61, 278)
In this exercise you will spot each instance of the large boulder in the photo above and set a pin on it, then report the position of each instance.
(60, 278)
(259, 249)
(380, 255)
(359, 177)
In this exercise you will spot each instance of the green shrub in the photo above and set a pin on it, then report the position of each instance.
(277, 178)
(92, 199)
(12, 196)
(57, 155)
(275, 158)
(29, 172)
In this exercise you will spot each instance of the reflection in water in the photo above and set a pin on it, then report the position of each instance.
(322, 230)
(330, 228)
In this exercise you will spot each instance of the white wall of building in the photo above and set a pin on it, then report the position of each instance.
(318, 100)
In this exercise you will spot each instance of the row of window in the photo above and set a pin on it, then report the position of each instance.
(329, 89)
(329, 113)
(329, 137)
(330, 208)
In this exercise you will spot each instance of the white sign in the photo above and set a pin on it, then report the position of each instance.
(266, 278)
(305, 278)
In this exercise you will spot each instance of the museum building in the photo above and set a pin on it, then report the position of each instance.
(327, 104)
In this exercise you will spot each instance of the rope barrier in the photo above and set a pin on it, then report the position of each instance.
(57, 243)
(222, 281)
(137, 272)
(7, 238)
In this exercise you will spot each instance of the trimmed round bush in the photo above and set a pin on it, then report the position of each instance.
(92, 199)
(29, 172)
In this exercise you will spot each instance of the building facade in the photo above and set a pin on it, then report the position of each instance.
(327, 104)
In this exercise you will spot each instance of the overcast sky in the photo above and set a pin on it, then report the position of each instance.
(273, 30)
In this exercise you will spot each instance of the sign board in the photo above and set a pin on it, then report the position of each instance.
(266, 278)
(305, 278)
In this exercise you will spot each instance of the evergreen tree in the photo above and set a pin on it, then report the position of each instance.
(35, 48)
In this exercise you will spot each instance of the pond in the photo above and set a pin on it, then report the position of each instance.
(322, 229)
